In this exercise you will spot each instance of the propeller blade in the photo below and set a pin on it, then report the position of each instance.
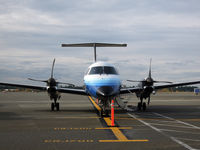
(133, 81)
(37, 80)
(149, 98)
(163, 82)
(66, 83)
(52, 68)
(150, 69)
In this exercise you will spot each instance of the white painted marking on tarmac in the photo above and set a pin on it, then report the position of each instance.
(164, 121)
(189, 139)
(160, 131)
(147, 124)
(158, 124)
(178, 131)
(193, 126)
(183, 144)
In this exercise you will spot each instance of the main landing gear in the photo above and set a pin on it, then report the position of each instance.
(142, 105)
(55, 105)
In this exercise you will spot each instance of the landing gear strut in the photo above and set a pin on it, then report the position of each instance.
(142, 105)
(104, 113)
(104, 109)
(55, 105)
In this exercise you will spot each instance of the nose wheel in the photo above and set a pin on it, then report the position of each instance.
(104, 113)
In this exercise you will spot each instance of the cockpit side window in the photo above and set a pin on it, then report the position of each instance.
(87, 71)
(109, 70)
(96, 70)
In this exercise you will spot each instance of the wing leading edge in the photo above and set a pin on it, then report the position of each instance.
(61, 90)
(176, 84)
(137, 89)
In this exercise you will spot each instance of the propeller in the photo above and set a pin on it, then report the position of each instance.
(149, 99)
(38, 80)
(162, 82)
(134, 80)
(52, 68)
(51, 81)
(149, 78)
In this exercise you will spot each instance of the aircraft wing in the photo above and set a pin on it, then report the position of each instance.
(25, 86)
(137, 89)
(72, 91)
(61, 90)
(176, 84)
(130, 90)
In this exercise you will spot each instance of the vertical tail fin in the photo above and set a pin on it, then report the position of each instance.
(52, 68)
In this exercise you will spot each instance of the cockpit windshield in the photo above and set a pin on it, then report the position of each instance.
(109, 70)
(96, 70)
(103, 70)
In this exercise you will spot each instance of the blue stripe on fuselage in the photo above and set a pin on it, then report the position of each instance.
(92, 84)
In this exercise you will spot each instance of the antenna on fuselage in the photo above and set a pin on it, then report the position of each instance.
(94, 45)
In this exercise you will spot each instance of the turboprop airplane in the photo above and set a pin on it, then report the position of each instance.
(102, 81)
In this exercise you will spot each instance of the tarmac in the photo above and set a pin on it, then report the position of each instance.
(171, 122)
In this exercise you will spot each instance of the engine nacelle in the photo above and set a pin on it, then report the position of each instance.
(51, 89)
(148, 89)
(154, 92)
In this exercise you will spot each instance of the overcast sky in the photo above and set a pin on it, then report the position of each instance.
(32, 31)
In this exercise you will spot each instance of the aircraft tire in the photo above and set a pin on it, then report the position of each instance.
(52, 106)
(107, 113)
(139, 106)
(101, 114)
(57, 106)
(144, 106)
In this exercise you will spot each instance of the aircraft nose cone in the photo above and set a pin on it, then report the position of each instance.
(105, 91)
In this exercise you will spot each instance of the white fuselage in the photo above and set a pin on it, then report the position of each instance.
(102, 79)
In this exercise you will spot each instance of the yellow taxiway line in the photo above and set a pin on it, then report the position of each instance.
(116, 130)
(93, 102)
(145, 140)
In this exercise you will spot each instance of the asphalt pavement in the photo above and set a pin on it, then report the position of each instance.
(171, 122)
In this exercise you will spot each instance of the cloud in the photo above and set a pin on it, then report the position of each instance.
(32, 32)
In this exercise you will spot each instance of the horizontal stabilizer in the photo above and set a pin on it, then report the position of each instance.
(94, 45)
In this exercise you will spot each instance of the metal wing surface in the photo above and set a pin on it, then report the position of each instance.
(174, 85)
(25, 86)
(72, 91)
(130, 90)
(61, 90)
(137, 89)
